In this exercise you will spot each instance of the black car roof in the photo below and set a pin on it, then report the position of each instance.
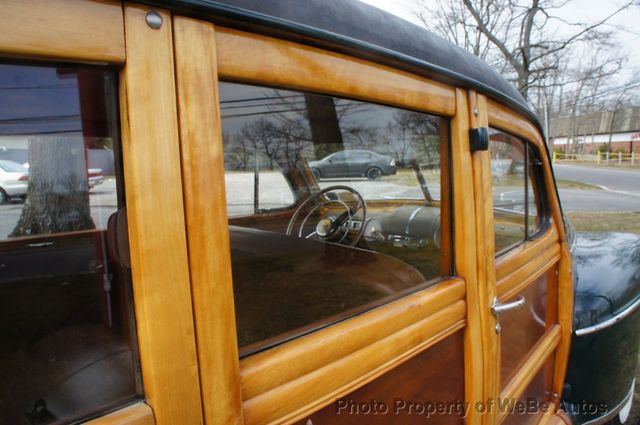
(363, 30)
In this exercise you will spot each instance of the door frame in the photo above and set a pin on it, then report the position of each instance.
(278, 384)
(518, 268)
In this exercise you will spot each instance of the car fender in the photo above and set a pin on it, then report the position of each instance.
(606, 337)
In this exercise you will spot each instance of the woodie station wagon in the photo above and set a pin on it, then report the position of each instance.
(215, 277)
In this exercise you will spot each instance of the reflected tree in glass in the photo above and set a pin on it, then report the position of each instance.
(58, 190)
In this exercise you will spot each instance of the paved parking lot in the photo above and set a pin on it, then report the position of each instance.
(102, 199)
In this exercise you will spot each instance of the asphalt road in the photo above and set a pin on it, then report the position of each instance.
(597, 200)
(623, 181)
(620, 189)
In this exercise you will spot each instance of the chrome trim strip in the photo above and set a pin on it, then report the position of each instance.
(613, 412)
(412, 217)
(595, 328)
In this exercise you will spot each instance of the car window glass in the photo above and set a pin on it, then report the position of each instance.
(354, 217)
(534, 197)
(66, 320)
(13, 167)
(516, 193)
(339, 156)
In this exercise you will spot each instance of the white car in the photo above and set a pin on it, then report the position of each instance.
(13, 180)
(94, 175)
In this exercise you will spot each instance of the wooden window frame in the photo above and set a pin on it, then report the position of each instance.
(287, 382)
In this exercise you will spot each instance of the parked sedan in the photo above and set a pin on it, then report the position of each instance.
(354, 163)
(13, 180)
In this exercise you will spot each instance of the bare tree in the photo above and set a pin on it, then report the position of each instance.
(518, 32)
(263, 136)
(452, 20)
(400, 137)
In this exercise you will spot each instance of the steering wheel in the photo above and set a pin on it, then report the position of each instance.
(329, 228)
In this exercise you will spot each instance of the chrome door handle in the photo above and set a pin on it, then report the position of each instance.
(497, 308)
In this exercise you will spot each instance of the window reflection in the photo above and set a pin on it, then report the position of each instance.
(334, 207)
(516, 193)
(66, 319)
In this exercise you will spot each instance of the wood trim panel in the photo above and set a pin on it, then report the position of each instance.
(547, 417)
(555, 416)
(525, 253)
(465, 253)
(512, 284)
(207, 233)
(297, 398)
(506, 119)
(565, 318)
(79, 30)
(542, 351)
(296, 66)
(409, 381)
(276, 367)
(446, 208)
(159, 261)
(482, 192)
(136, 414)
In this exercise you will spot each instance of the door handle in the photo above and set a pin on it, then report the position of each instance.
(500, 308)
(39, 244)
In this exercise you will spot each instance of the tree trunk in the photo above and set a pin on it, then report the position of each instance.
(58, 191)
(611, 125)
(324, 125)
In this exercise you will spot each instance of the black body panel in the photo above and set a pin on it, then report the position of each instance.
(607, 276)
(603, 361)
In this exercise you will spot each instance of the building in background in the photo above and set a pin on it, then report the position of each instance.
(609, 131)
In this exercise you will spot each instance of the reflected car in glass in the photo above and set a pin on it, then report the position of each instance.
(354, 163)
(13, 180)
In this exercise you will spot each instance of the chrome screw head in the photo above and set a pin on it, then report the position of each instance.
(154, 20)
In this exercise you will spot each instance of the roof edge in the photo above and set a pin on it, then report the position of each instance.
(216, 11)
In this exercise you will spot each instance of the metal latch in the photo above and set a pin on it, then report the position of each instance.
(479, 139)
(498, 308)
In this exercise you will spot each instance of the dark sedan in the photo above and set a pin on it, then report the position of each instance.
(354, 163)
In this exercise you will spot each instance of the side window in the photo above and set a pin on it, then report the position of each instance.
(362, 220)
(517, 193)
(340, 156)
(66, 317)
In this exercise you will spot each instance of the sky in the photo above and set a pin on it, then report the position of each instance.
(626, 23)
